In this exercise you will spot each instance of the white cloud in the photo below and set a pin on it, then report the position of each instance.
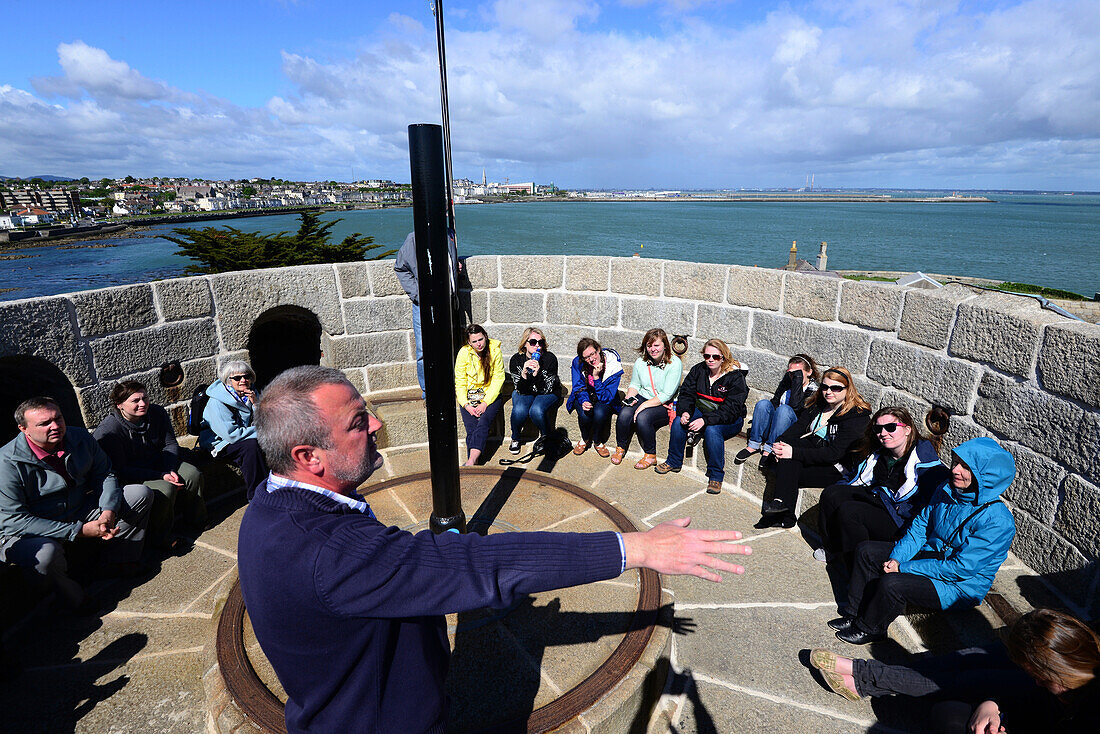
(867, 93)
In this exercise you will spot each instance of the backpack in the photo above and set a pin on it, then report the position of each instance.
(199, 399)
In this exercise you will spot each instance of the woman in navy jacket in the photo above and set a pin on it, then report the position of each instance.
(711, 404)
(595, 393)
(894, 481)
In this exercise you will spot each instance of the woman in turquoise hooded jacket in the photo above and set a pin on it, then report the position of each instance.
(948, 557)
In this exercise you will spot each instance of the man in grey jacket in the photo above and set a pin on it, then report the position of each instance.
(405, 268)
(56, 485)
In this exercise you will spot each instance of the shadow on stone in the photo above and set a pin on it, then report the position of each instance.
(281, 338)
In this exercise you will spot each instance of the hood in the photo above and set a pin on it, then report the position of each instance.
(993, 467)
(612, 364)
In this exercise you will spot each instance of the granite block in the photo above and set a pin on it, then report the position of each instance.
(926, 374)
(1051, 555)
(479, 306)
(1069, 361)
(1003, 330)
(643, 314)
(1078, 516)
(110, 310)
(765, 369)
(1037, 482)
(639, 276)
(695, 281)
(928, 316)
(871, 305)
(383, 279)
(360, 350)
(830, 346)
(582, 310)
(535, 271)
(811, 296)
(728, 323)
(391, 376)
(242, 297)
(587, 273)
(353, 279)
(508, 307)
(364, 315)
(145, 349)
(482, 271)
(184, 298)
(755, 287)
(45, 328)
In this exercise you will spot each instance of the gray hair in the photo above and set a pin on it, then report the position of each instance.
(234, 367)
(286, 415)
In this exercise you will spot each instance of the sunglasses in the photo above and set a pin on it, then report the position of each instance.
(535, 342)
(888, 427)
(710, 357)
(833, 388)
(238, 378)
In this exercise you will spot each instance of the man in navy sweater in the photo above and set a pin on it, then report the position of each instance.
(349, 611)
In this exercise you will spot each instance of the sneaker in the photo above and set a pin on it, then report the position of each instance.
(742, 456)
(664, 468)
(714, 487)
(820, 555)
(513, 448)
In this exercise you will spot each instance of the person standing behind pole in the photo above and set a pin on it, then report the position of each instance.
(479, 375)
(137, 436)
(534, 372)
(595, 393)
(405, 268)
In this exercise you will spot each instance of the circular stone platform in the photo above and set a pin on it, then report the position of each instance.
(590, 658)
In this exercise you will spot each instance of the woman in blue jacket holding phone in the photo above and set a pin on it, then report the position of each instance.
(948, 557)
(595, 393)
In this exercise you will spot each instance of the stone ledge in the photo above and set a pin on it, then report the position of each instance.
(1003, 330)
(1068, 363)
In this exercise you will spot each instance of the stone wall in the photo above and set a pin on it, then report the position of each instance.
(1004, 367)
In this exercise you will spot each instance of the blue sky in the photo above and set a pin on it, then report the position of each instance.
(585, 93)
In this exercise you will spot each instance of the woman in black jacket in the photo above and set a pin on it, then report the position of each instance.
(137, 436)
(711, 405)
(534, 372)
(818, 448)
(770, 418)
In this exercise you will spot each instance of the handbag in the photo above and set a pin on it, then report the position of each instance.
(669, 406)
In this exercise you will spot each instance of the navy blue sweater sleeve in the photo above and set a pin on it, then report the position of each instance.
(373, 571)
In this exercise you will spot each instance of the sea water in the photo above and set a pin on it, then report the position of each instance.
(1051, 240)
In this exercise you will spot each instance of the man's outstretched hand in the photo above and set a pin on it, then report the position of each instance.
(674, 549)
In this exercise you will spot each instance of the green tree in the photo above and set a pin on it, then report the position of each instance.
(105, 183)
(129, 179)
(84, 180)
(221, 250)
(248, 191)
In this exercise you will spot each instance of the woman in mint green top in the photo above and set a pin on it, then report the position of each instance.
(653, 385)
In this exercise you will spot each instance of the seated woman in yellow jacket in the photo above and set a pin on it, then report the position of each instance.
(479, 375)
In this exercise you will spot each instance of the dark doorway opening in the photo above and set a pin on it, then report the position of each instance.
(284, 337)
(23, 377)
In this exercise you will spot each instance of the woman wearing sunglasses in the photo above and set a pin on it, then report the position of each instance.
(534, 372)
(227, 422)
(894, 481)
(711, 405)
(817, 449)
(479, 375)
(595, 394)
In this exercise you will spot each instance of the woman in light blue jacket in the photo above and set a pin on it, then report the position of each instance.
(948, 557)
(228, 431)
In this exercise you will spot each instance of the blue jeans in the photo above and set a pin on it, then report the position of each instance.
(419, 348)
(769, 422)
(537, 407)
(595, 424)
(714, 444)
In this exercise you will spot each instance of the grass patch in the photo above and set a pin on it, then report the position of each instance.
(1039, 290)
(870, 277)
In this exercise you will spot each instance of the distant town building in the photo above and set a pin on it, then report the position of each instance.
(34, 216)
(58, 201)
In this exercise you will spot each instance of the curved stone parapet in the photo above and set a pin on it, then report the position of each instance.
(1002, 365)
